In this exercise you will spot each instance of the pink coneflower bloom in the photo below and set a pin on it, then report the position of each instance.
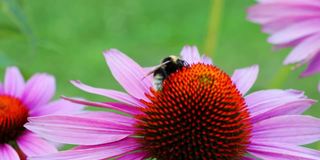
(292, 23)
(20, 100)
(200, 113)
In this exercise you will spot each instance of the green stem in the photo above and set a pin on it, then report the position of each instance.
(213, 27)
(280, 77)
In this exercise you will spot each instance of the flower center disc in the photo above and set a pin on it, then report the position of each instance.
(13, 115)
(198, 114)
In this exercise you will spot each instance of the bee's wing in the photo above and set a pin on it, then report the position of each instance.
(149, 73)
(155, 68)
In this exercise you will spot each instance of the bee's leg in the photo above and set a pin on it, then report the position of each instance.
(158, 79)
(157, 84)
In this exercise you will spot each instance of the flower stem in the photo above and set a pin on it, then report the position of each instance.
(213, 27)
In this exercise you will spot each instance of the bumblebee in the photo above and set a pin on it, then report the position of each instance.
(168, 65)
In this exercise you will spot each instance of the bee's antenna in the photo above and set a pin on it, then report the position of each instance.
(156, 67)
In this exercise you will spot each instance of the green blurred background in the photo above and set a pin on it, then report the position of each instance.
(66, 38)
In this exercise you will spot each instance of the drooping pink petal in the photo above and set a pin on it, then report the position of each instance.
(39, 89)
(282, 151)
(301, 2)
(295, 31)
(206, 60)
(305, 50)
(289, 44)
(190, 54)
(134, 156)
(13, 82)
(244, 78)
(82, 130)
(313, 66)
(60, 106)
(8, 153)
(32, 145)
(294, 107)
(265, 13)
(294, 129)
(128, 73)
(269, 103)
(120, 96)
(260, 101)
(279, 24)
(110, 116)
(102, 151)
(131, 110)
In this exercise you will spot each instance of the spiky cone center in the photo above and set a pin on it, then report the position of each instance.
(13, 115)
(199, 114)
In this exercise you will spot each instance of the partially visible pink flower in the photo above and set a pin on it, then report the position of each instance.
(200, 113)
(20, 100)
(292, 23)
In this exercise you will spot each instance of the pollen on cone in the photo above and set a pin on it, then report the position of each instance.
(13, 115)
(199, 114)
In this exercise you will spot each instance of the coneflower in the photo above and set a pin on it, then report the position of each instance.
(294, 24)
(200, 113)
(20, 100)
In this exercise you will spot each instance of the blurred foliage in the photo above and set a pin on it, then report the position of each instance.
(66, 39)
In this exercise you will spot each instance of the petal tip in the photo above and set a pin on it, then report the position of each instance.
(111, 51)
(75, 82)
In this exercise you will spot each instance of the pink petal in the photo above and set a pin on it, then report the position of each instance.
(82, 130)
(293, 129)
(60, 106)
(206, 60)
(97, 152)
(282, 151)
(294, 107)
(13, 82)
(265, 13)
(264, 100)
(289, 44)
(305, 50)
(279, 24)
(190, 54)
(128, 73)
(131, 110)
(295, 31)
(8, 153)
(39, 89)
(244, 78)
(110, 116)
(134, 156)
(119, 96)
(313, 66)
(32, 145)
(301, 2)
